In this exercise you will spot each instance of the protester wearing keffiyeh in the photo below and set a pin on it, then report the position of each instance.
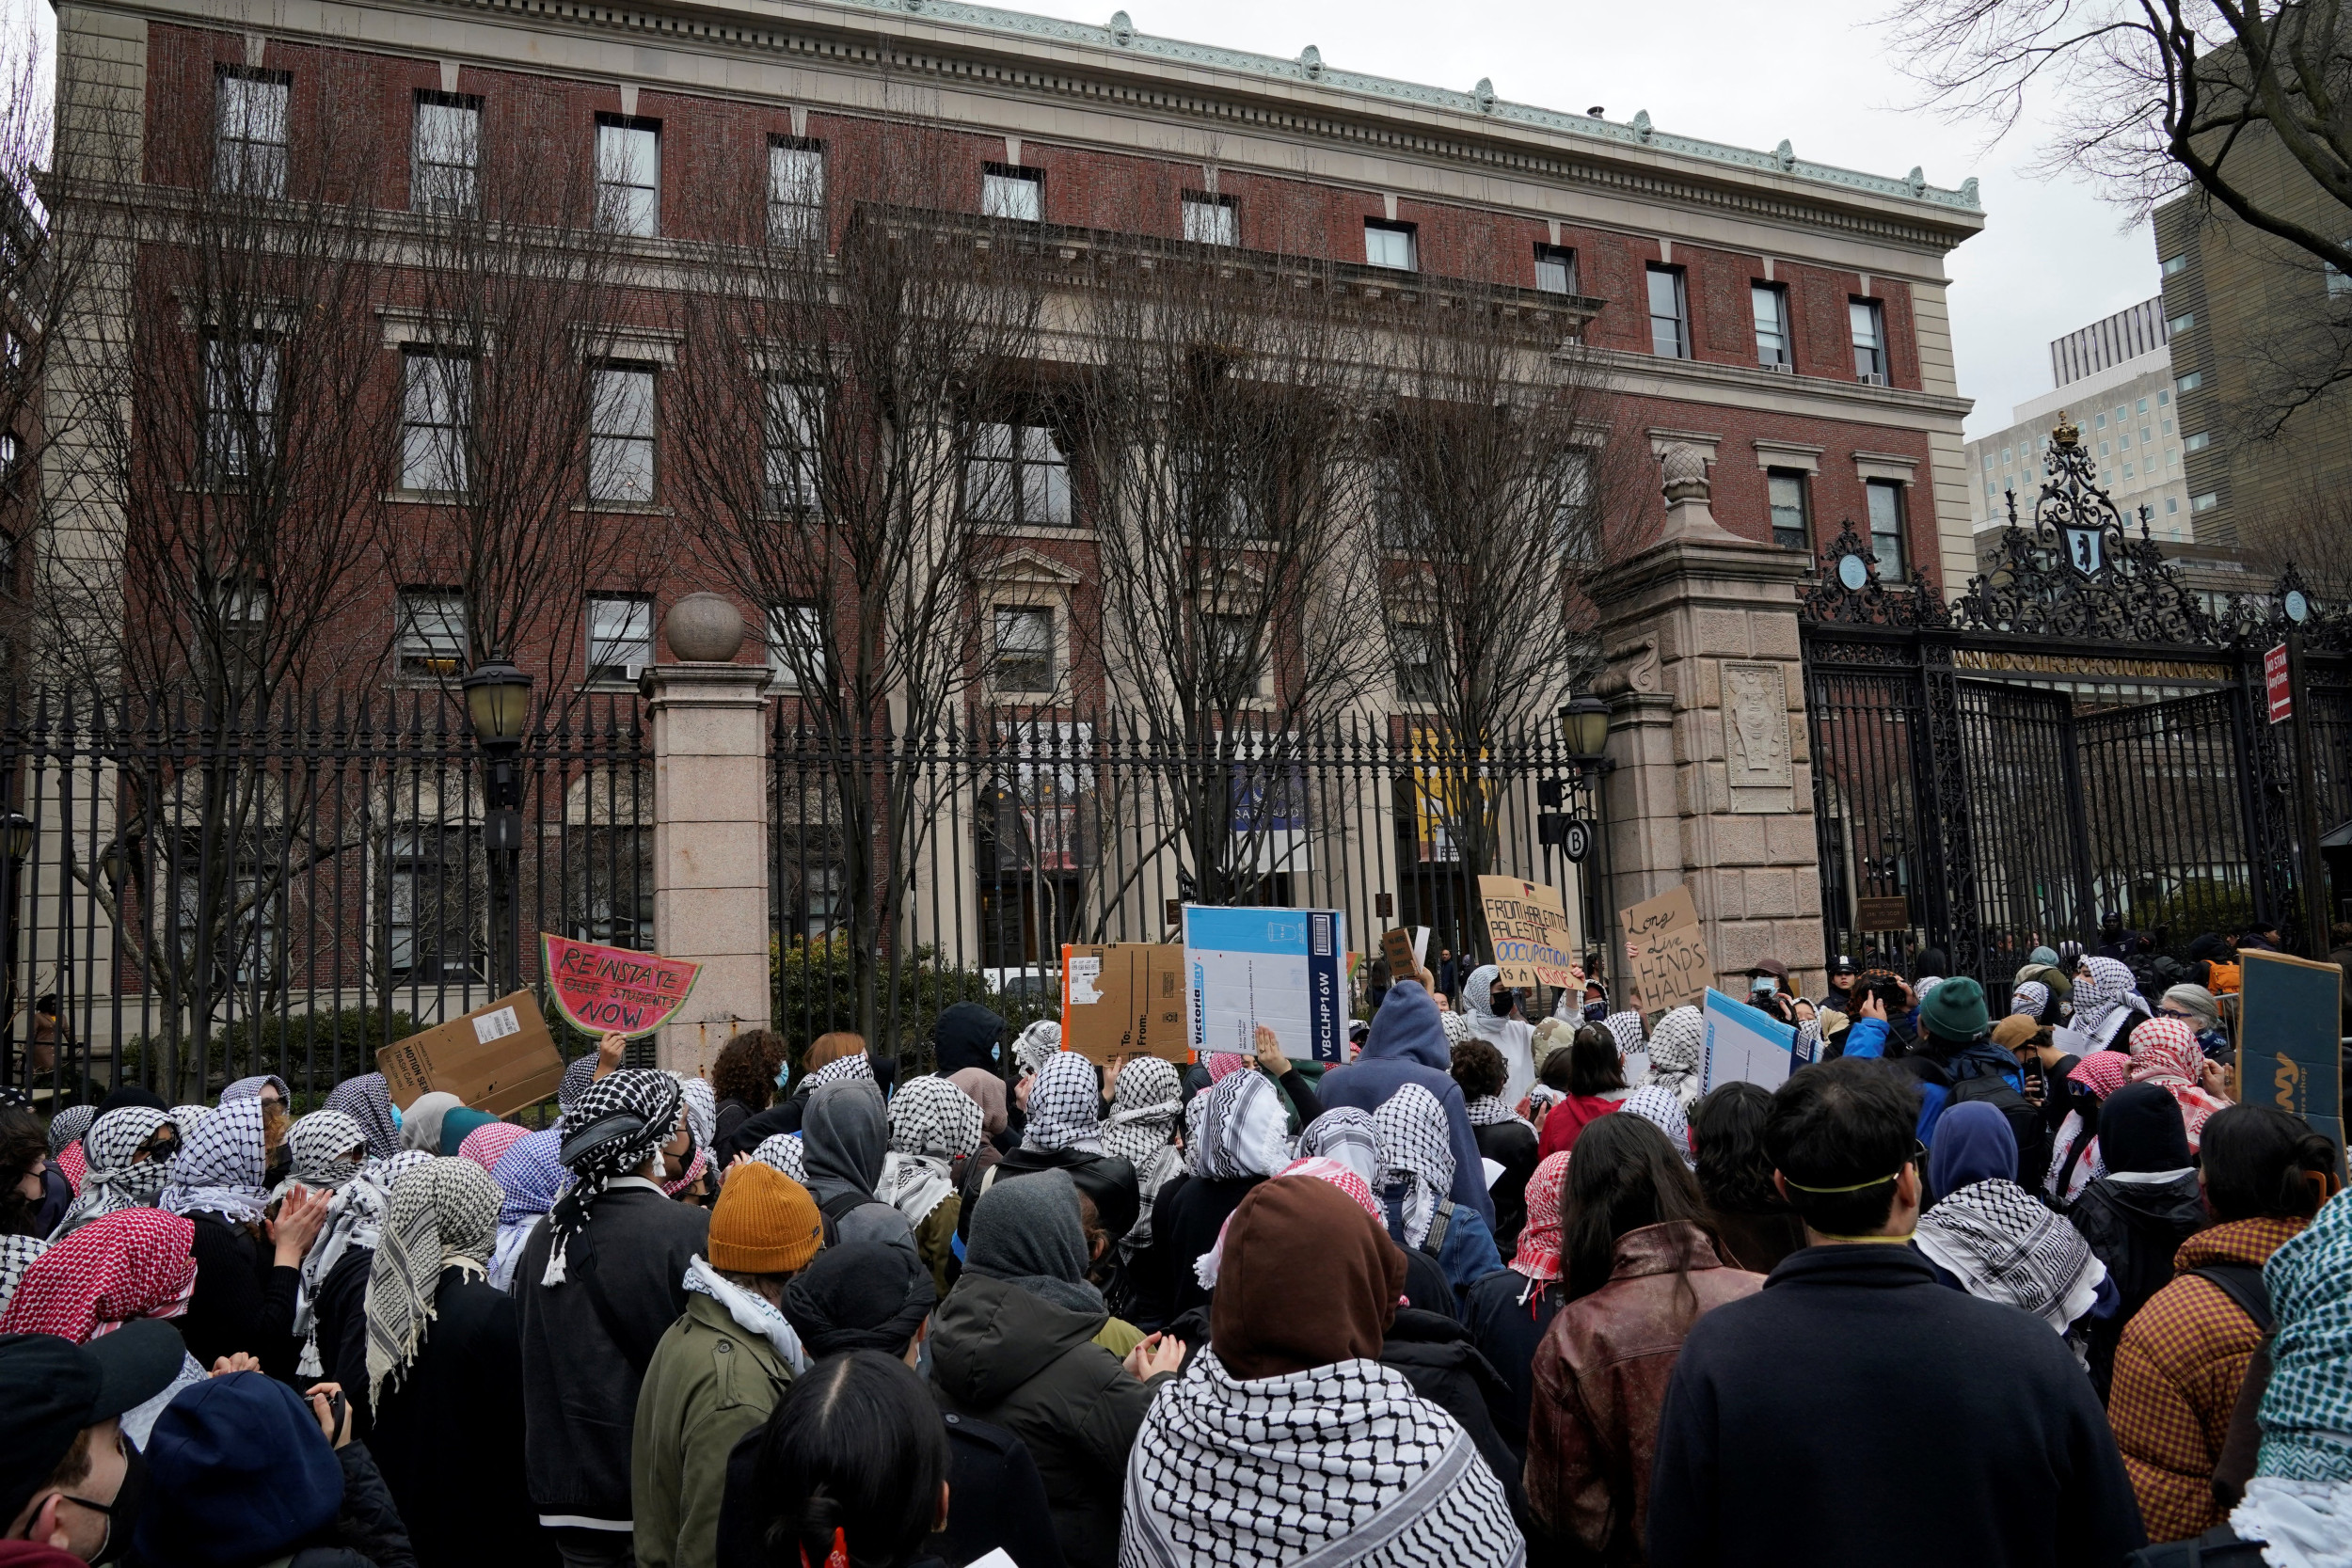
(2106, 995)
(486, 1146)
(1994, 1238)
(115, 1178)
(220, 1165)
(1146, 1101)
(1036, 1046)
(2074, 1161)
(1675, 1048)
(1538, 1254)
(65, 1142)
(933, 1126)
(1233, 1130)
(444, 1213)
(1066, 1105)
(2029, 997)
(2165, 1053)
(367, 1100)
(250, 1088)
(1664, 1111)
(786, 1153)
(578, 1073)
(528, 1175)
(17, 1254)
(1348, 1136)
(1210, 1266)
(1419, 1154)
(2299, 1502)
(640, 1112)
(133, 1263)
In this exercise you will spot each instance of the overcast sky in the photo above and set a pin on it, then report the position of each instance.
(2052, 257)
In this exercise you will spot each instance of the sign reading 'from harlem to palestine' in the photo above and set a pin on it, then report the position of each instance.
(613, 991)
(1529, 928)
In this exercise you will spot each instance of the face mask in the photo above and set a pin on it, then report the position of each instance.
(122, 1515)
(1763, 985)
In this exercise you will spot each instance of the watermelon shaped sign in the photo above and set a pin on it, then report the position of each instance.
(613, 991)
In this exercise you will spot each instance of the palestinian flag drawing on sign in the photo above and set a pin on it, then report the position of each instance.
(613, 991)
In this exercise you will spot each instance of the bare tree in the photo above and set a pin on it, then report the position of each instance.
(1221, 392)
(216, 527)
(1494, 453)
(853, 336)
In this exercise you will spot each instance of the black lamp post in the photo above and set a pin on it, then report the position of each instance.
(1584, 726)
(16, 841)
(498, 704)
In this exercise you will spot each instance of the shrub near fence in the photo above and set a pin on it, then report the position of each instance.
(815, 994)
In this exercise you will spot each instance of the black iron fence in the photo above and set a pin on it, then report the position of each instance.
(912, 872)
(203, 896)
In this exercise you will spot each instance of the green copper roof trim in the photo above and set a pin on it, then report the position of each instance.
(1119, 35)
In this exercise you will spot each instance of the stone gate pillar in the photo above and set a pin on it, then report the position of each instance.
(1712, 782)
(710, 828)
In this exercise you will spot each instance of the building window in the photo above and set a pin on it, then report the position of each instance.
(2101, 422)
(795, 418)
(1886, 529)
(2163, 398)
(2175, 265)
(796, 646)
(2127, 470)
(1211, 219)
(430, 641)
(620, 436)
(2106, 448)
(1867, 320)
(1555, 269)
(796, 191)
(2171, 504)
(2200, 441)
(445, 154)
(620, 637)
(2123, 413)
(1770, 302)
(1018, 194)
(240, 408)
(1793, 527)
(250, 126)
(1232, 648)
(2175, 325)
(2205, 502)
(435, 421)
(1023, 659)
(1669, 315)
(2190, 382)
(1416, 665)
(2140, 409)
(2172, 459)
(628, 176)
(1016, 474)
(1389, 245)
(2005, 456)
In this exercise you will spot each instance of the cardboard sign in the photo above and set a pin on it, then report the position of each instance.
(498, 1058)
(1126, 999)
(1529, 927)
(1745, 1045)
(1403, 949)
(614, 991)
(1667, 950)
(2278, 684)
(1278, 968)
(2289, 1049)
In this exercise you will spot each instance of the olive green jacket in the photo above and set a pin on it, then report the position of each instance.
(708, 1382)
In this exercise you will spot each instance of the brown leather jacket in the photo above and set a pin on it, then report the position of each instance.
(1600, 1378)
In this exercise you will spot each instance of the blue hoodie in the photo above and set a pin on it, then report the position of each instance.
(1407, 1045)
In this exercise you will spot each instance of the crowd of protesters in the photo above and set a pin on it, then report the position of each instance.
(1962, 1290)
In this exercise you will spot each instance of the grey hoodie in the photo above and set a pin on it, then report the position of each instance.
(844, 1136)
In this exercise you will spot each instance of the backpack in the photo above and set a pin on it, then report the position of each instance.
(2243, 1285)
(2024, 1121)
(838, 1208)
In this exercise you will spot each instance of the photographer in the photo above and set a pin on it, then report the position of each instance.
(1879, 1000)
(1769, 991)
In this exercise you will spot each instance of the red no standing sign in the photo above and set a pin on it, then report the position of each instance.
(2274, 685)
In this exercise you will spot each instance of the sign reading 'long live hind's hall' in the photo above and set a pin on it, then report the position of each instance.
(611, 989)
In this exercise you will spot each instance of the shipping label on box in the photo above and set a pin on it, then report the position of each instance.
(1124, 999)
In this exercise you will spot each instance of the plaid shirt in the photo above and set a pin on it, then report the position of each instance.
(2177, 1371)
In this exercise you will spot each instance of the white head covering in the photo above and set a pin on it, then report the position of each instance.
(1233, 1128)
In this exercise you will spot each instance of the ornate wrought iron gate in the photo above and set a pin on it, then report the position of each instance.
(2079, 734)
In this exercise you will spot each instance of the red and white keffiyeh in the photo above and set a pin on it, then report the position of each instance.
(2165, 1053)
(120, 1267)
(1538, 1254)
(486, 1144)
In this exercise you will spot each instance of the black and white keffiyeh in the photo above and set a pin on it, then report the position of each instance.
(1350, 1136)
(250, 1088)
(1418, 1152)
(1674, 1049)
(1336, 1465)
(220, 1165)
(932, 1124)
(2030, 997)
(442, 1212)
(577, 1074)
(328, 1150)
(1488, 1110)
(702, 1109)
(17, 1254)
(1625, 1029)
(856, 1068)
(1145, 1101)
(1066, 1105)
(1035, 1047)
(68, 1126)
(1233, 1128)
(784, 1153)
(1663, 1109)
(2005, 1245)
(367, 1100)
(640, 1108)
(114, 1179)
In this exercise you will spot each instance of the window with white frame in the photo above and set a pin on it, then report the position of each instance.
(1867, 320)
(628, 176)
(249, 131)
(1016, 474)
(795, 419)
(435, 421)
(1008, 191)
(1774, 343)
(1234, 654)
(429, 641)
(621, 436)
(1021, 654)
(1792, 522)
(620, 637)
(240, 407)
(1555, 269)
(1211, 219)
(1669, 315)
(1391, 244)
(796, 646)
(1575, 518)
(445, 154)
(1886, 529)
(796, 191)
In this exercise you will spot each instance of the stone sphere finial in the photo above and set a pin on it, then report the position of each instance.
(704, 629)
(1685, 469)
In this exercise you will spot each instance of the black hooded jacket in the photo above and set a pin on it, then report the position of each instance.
(968, 1035)
(2134, 1227)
